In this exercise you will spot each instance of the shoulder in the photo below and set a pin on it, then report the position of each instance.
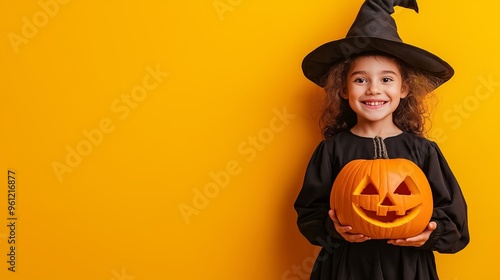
(328, 145)
(341, 140)
(411, 146)
(417, 141)
(341, 137)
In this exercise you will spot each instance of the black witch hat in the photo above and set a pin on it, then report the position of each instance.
(374, 30)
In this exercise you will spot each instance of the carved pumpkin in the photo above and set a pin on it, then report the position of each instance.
(382, 198)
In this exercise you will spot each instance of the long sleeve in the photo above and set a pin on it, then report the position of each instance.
(450, 208)
(313, 202)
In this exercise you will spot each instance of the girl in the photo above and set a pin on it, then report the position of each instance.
(375, 87)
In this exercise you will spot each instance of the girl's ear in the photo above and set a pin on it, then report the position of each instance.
(344, 94)
(404, 90)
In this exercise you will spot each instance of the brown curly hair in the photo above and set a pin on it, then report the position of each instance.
(410, 115)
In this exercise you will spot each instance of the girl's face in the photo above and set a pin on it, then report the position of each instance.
(374, 88)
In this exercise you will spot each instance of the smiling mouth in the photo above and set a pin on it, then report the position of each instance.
(374, 103)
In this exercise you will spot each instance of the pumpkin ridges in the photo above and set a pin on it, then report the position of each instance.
(371, 164)
(382, 184)
(342, 192)
(368, 165)
(347, 194)
(352, 216)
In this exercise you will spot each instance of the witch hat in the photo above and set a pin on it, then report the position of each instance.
(374, 30)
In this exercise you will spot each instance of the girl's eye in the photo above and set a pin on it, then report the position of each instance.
(386, 80)
(360, 80)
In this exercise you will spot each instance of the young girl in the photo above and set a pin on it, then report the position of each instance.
(375, 92)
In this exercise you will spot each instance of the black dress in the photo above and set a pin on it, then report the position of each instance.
(375, 259)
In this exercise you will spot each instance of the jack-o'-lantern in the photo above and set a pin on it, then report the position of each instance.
(382, 198)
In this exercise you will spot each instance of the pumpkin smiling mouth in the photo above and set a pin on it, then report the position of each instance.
(390, 219)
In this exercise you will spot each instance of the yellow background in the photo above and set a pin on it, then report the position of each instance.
(226, 113)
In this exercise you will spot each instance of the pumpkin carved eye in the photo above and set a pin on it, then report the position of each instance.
(369, 190)
(403, 189)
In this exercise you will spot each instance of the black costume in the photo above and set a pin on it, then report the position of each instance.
(375, 259)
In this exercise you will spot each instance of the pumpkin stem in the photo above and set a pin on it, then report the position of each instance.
(380, 149)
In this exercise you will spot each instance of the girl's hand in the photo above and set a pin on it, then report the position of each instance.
(344, 230)
(415, 241)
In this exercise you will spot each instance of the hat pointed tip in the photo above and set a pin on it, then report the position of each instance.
(410, 4)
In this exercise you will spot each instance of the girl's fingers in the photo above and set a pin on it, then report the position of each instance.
(432, 226)
(358, 238)
(415, 242)
(332, 216)
(414, 239)
(344, 230)
(336, 223)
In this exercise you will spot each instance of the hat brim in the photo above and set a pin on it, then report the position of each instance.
(317, 63)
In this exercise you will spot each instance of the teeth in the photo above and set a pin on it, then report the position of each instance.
(374, 103)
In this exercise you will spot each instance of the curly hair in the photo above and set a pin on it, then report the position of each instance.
(409, 116)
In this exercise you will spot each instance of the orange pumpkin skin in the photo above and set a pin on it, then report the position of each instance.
(382, 198)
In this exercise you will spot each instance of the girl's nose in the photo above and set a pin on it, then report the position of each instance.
(373, 88)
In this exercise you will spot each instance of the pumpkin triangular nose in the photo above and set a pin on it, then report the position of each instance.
(387, 202)
(382, 211)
